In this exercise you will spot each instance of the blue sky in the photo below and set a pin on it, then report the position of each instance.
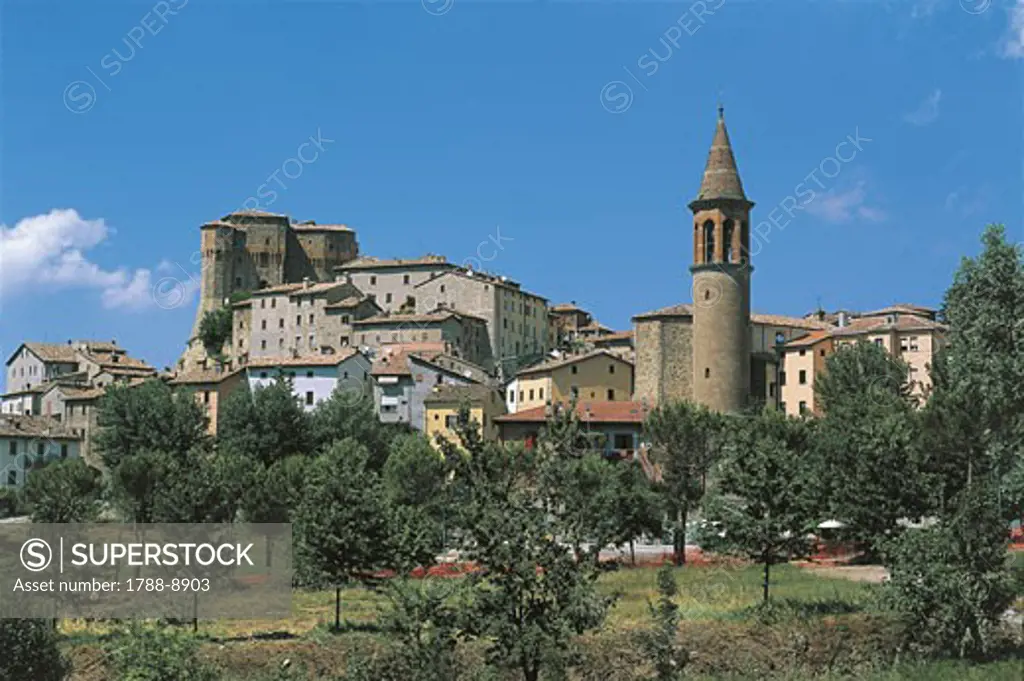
(572, 133)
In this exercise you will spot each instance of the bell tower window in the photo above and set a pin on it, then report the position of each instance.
(709, 241)
(727, 233)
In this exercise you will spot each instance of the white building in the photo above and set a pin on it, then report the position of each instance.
(313, 377)
(27, 442)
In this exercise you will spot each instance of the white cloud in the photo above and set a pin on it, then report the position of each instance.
(927, 111)
(836, 206)
(49, 251)
(1013, 48)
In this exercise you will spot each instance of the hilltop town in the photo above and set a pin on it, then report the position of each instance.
(421, 336)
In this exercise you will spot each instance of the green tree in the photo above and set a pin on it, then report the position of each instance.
(762, 496)
(867, 471)
(638, 508)
(350, 415)
(950, 583)
(31, 651)
(134, 483)
(340, 530)
(65, 491)
(147, 417)
(976, 423)
(661, 642)
(423, 618)
(685, 439)
(202, 487)
(215, 330)
(532, 598)
(142, 653)
(267, 424)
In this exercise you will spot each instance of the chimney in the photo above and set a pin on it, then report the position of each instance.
(306, 282)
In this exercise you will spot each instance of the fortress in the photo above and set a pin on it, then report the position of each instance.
(249, 250)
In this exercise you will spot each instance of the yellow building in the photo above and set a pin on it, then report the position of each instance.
(909, 332)
(441, 410)
(600, 375)
(209, 387)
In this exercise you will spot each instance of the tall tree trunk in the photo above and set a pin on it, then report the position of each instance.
(680, 535)
(767, 569)
(337, 608)
(632, 552)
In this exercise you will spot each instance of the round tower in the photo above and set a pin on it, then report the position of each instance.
(721, 281)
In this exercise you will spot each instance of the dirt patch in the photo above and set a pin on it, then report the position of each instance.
(872, 574)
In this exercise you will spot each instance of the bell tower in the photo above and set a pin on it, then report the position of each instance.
(721, 272)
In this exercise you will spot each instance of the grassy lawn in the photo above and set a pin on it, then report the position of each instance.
(716, 604)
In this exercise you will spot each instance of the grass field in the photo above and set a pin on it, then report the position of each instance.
(717, 605)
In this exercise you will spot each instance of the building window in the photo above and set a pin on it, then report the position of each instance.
(263, 374)
(310, 318)
(540, 393)
(12, 477)
(574, 391)
(263, 304)
(709, 241)
(344, 319)
(727, 230)
(879, 341)
(273, 303)
(803, 377)
(263, 325)
(707, 372)
(309, 374)
(298, 341)
(206, 397)
(512, 396)
(280, 343)
(521, 395)
(782, 378)
(913, 344)
(803, 352)
(405, 279)
(574, 369)
(442, 288)
(611, 395)
(387, 297)
(298, 320)
(373, 281)
(263, 345)
(64, 451)
(309, 397)
(611, 368)
(451, 421)
(803, 407)
(531, 393)
(771, 390)
(821, 352)
(312, 342)
(280, 323)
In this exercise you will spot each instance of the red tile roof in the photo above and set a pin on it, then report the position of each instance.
(594, 412)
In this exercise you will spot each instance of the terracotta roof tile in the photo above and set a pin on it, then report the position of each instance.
(12, 425)
(783, 320)
(373, 263)
(551, 365)
(308, 360)
(458, 393)
(599, 412)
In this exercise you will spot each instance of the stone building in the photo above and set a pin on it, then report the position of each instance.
(599, 375)
(714, 351)
(392, 283)
(303, 319)
(250, 250)
(209, 388)
(458, 333)
(908, 332)
(314, 378)
(517, 321)
(29, 442)
(405, 374)
(35, 367)
(443, 403)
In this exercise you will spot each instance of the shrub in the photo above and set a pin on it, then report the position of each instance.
(156, 654)
(29, 651)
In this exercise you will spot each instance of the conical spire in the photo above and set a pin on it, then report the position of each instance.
(721, 178)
